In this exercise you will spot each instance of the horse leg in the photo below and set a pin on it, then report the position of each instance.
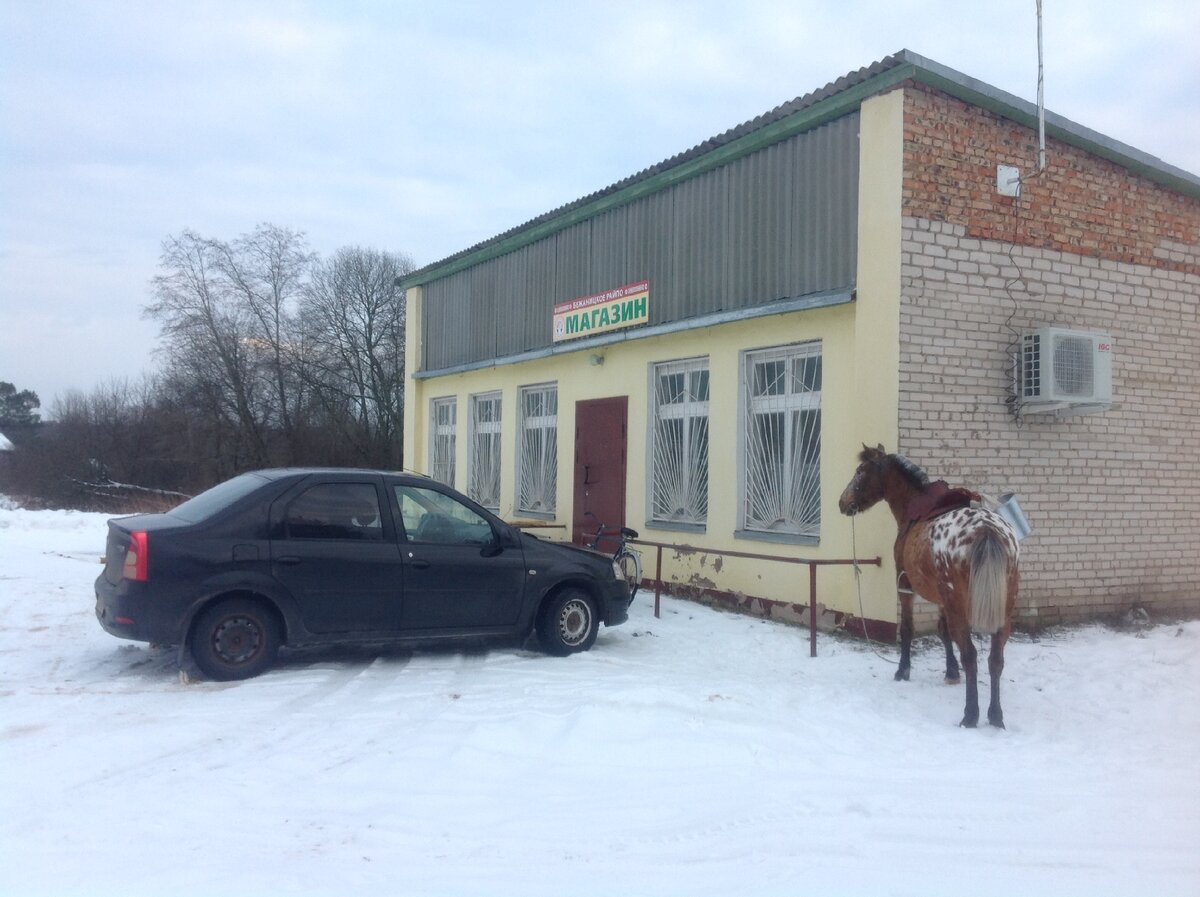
(960, 629)
(952, 674)
(906, 634)
(995, 668)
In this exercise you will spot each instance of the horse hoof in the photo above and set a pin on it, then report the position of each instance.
(901, 676)
(968, 723)
(997, 720)
(953, 680)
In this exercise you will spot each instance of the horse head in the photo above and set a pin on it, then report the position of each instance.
(866, 488)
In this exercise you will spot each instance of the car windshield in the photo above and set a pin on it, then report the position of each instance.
(218, 497)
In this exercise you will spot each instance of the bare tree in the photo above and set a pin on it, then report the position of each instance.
(353, 324)
(273, 356)
(265, 273)
(209, 333)
(98, 447)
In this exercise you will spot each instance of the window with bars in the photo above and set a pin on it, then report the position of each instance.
(782, 433)
(483, 476)
(679, 443)
(443, 415)
(537, 449)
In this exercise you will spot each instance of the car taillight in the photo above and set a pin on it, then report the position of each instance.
(137, 557)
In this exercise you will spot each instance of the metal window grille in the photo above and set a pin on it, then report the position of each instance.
(483, 478)
(679, 450)
(537, 450)
(444, 414)
(782, 481)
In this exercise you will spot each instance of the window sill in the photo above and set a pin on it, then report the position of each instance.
(676, 527)
(536, 515)
(779, 538)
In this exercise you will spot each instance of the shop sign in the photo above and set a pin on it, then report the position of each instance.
(611, 310)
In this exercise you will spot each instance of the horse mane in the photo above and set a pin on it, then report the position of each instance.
(910, 471)
(914, 474)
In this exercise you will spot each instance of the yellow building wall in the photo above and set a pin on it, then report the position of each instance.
(859, 404)
(414, 395)
(876, 344)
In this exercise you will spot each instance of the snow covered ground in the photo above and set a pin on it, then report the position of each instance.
(703, 753)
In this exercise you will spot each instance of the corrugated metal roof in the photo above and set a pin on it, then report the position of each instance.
(777, 114)
(766, 227)
(876, 77)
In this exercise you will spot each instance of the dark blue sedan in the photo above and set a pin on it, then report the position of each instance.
(335, 556)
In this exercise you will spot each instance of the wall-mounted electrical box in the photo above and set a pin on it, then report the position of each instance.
(1008, 180)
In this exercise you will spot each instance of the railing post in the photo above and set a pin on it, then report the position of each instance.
(812, 610)
(658, 584)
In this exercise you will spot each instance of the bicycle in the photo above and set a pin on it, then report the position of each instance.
(627, 560)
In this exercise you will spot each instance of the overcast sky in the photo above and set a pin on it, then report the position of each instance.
(427, 127)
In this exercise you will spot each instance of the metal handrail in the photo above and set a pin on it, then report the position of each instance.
(813, 564)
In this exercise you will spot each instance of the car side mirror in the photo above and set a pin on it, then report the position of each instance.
(496, 545)
(503, 536)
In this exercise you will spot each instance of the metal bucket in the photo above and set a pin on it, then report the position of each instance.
(1010, 509)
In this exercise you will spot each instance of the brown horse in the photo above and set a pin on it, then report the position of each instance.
(961, 558)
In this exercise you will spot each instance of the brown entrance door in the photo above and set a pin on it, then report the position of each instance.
(599, 468)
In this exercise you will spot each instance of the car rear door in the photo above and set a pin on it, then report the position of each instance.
(334, 547)
(457, 576)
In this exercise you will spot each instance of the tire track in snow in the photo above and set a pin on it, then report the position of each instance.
(372, 677)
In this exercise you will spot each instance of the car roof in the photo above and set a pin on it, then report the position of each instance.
(276, 473)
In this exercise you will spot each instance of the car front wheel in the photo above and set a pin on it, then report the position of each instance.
(235, 639)
(568, 623)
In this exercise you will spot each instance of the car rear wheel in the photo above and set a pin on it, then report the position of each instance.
(235, 639)
(568, 623)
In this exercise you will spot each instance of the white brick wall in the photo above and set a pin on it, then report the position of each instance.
(1113, 498)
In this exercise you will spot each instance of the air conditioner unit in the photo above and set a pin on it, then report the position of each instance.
(1060, 368)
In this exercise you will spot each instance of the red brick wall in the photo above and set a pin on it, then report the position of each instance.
(1080, 204)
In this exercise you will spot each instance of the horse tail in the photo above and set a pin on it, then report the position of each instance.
(989, 583)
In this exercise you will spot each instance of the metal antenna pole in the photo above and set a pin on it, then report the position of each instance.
(1041, 99)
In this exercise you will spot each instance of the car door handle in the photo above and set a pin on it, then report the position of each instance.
(289, 559)
(421, 565)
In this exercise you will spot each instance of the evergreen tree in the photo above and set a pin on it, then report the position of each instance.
(16, 408)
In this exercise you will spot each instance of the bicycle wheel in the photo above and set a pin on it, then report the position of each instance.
(630, 563)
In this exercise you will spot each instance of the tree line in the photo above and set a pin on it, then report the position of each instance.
(270, 355)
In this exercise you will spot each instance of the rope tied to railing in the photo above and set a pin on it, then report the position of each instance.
(862, 615)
